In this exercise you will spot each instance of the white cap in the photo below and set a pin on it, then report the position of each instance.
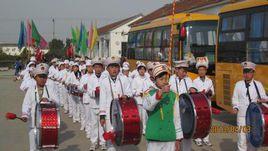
(160, 68)
(33, 59)
(248, 65)
(83, 67)
(75, 64)
(141, 64)
(76, 59)
(97, 60)
(126, 63)
(82, 59)
(112, 60)
(30, 63)
(88, 63)
(71, 63)
(138, 62)
(41, 68)
(125, 67)
(54, 60)
(202, 62)
(61, 63)
(181, 64)
(66, 61)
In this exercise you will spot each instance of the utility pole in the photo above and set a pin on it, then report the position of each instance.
(53, 21)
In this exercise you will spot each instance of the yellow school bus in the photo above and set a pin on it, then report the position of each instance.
(150, 41)
(242, 36)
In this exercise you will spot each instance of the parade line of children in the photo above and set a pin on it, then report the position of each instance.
(102, 80)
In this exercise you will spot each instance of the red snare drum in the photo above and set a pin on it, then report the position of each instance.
(257, 120)
(126, 122)
(195, 112)
(47, 123)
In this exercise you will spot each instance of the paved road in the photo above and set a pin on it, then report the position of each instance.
(13, 134)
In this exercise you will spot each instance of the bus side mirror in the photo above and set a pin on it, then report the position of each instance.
(182, 33)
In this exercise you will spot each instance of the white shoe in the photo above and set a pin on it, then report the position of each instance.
(198, 143)
(82, 128)
(92, 147)
(207, 143)
(66, 112)
(103, 147)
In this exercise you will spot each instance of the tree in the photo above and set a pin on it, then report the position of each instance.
(56, 49)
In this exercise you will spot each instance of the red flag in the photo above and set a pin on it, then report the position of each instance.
(70, 51)
(39, 55)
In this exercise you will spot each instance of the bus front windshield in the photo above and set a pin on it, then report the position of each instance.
(200, 41)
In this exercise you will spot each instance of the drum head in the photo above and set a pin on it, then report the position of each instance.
(117, 121)
(187, 114)
(37, 128)
(255, 120)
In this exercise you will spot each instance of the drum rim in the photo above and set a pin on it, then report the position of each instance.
(141, 126)
(192, 102)
(263, 123)
(209, 110)
(120, 112)
(38, 123)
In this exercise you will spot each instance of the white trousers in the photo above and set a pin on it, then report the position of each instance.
(186, 145)
(88, 118)
(64, 97)
(242, 143)
(70, 104)
(160, 146)
(96, 133)
(143, 116)
(31, 133)
(76, 108)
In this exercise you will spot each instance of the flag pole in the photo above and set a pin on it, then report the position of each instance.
(171, 34)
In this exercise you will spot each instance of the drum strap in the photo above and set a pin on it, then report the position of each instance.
(36, 91)
(111, 89)
(186, 87)
(120, 86)
(177, 85)
(258, 92)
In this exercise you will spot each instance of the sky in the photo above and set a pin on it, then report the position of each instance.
(67, 14)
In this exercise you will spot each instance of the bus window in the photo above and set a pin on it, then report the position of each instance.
(140, 39)
(175, 51)
(148, 38)
(259, 25)
(257, 45)
(258, 51)
(147, 54)
(156, 54)
(157, 38)
(139, 53)
(166, 38)
(131, 45)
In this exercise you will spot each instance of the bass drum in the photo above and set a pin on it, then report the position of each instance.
(195, 112)
(257, 120)
(47, 124)
(126, 122)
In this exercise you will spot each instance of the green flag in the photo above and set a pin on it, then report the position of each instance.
(74, 38)
(36, 38)
(84, 40)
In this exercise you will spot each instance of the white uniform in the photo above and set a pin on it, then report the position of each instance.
(27, 83)
(135, 73)
(140, 85)
(149, 104)
(86, 116)
(204, 86)
(182, 86)
(70, 101)
(96, 131)
(241, 101)
(63, 91)
(110, 90)
(28, 109)
(76, 100)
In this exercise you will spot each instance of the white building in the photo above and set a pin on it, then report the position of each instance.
(13, 50)
(113, 37)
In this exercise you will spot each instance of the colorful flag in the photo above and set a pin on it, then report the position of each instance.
(94, 37)
(37, 39)
(84, 40)
(22, 36)
(29, 33)
(74, 38)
